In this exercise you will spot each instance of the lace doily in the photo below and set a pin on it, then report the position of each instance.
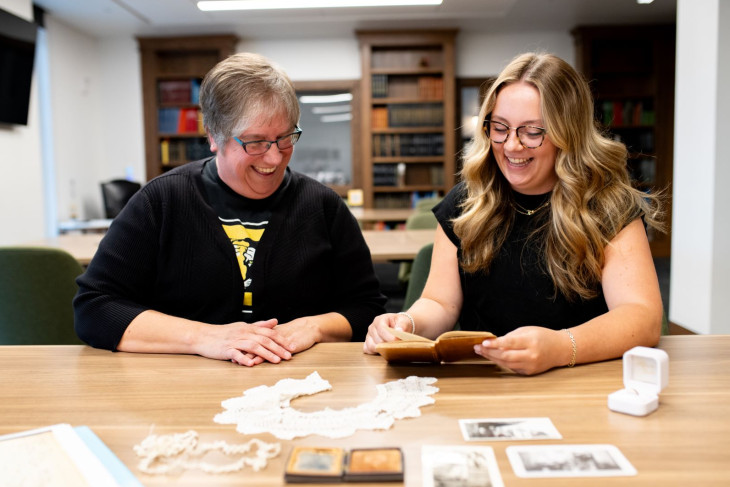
(172, 452)
(267, 409)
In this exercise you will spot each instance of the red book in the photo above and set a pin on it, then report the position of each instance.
(188, 121)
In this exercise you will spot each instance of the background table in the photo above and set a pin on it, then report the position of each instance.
(396, 245)
(374, 215)
(82, 246)
(392, 245)
(98, 225)
(122, 395)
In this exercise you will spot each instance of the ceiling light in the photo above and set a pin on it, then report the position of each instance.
(331, 109)
(644, 2)
(292, 4)
(340, 117)
(326, 98)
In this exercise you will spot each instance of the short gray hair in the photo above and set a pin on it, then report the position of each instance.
(240, 89)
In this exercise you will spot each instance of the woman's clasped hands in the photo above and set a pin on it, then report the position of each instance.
(250, 344)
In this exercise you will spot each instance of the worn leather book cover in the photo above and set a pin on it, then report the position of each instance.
(451, 346)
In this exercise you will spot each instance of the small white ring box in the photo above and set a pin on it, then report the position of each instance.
(646, 373)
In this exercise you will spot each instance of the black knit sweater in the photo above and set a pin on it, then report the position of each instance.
(167, 251)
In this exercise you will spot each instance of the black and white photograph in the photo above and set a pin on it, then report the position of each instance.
(501, 429)
(569, 461)
(460, 466)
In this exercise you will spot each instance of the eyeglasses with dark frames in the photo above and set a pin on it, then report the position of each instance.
(258, 147)
(530, 136)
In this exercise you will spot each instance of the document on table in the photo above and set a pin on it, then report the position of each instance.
(61, 456)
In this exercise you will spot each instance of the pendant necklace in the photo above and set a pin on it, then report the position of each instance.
(524, 211)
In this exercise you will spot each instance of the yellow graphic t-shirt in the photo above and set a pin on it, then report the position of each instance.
(244, 237)
(244, 221)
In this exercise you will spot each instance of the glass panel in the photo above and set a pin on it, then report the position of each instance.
(324, 151)
(469, 111)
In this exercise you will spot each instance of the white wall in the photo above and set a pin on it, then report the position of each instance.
(719, 322)
(477, 55)
(122, 136)
(700, 278)
(303, 59)
(98, 131)
(21, 184)
(76, 93)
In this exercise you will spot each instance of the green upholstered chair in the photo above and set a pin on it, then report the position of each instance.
(424, 220)
(427, 203)
(37, 286)
(665, 324)
(419, 275)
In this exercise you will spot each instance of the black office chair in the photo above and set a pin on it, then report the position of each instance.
(116, 193)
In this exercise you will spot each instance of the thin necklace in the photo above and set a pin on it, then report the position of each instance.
(524, 211)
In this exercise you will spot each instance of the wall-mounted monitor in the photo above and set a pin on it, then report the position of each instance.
(17, 54)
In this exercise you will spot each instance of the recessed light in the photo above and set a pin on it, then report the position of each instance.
(296, 4)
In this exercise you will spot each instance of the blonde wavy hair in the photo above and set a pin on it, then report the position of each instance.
(591, 202)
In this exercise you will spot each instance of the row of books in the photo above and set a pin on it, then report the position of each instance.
(401, 174)
(179, 91)
(421, 87)
(402, 200)
(389, 174)
(641, 141)
(643, 170)
(617, 113)
(405, 145)
(408, 58)
(180, 121)
(408, 115)
(179, 151)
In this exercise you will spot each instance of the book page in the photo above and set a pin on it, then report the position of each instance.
(38, 459)
(54, 456)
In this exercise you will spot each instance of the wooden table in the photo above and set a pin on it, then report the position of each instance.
(396, 245)
(121, 395)
(392, 245)
(388, 215)
(81, 245)
(97, 225)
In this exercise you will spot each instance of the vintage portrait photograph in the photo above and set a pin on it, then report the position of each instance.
(459, 466)
(495, 429)
(569, 461)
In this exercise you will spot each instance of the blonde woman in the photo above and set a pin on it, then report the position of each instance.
(544, 242)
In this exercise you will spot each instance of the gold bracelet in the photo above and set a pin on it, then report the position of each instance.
(413, 323)
(575, 348)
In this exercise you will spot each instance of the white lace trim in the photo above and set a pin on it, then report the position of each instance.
(267, 409)
(172, 452)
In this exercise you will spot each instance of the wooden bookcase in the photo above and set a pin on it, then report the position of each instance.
(631, 73)
(172, 68)
(408, 134)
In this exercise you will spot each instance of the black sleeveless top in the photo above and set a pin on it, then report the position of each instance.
(516, 291)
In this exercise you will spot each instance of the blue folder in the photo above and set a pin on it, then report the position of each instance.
(116, 468)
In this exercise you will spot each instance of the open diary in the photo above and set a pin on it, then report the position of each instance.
(451, 346)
